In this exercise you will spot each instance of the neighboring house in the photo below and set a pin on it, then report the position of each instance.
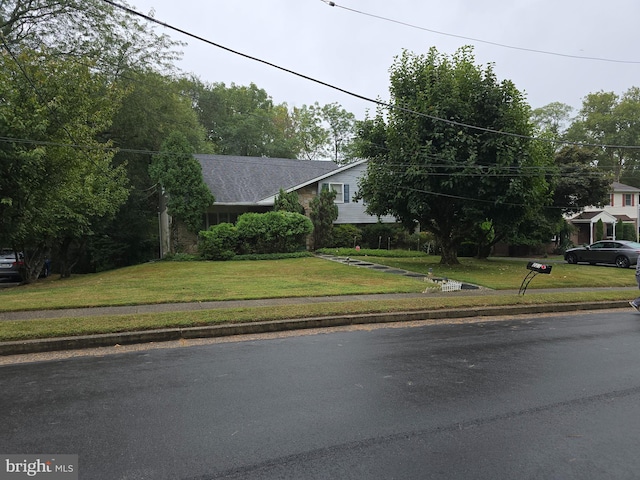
(623, 205)
(251, 184)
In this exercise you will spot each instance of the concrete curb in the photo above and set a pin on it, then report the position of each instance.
(172, 334)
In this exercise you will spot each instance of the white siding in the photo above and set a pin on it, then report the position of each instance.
(350, 211)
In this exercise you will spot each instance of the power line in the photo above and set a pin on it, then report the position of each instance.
(359, 96)
(488, 42)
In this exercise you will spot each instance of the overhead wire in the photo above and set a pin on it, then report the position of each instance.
(357, 95)
(478, 40)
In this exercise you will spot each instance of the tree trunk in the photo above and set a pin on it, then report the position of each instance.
(449, 254)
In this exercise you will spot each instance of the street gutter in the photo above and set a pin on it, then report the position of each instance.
(172, 334)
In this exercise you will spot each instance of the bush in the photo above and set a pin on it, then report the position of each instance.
(273, 232)
(385, 235)
(219, 242)
(346, 235)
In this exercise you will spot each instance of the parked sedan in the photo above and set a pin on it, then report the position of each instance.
(621, 253)
(9, 266)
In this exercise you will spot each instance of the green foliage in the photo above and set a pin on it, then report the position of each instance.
(113, 40)
(446, 177)
(385, 235)
(579, 183)
(180, 176)
(53, 193)
(323, 213)
(288, 202)
(625, 231)
(552, 118)
(341, 127)
(243, 120)
(609, 119)
(219, 242)
(346, 235)
(599, 230)
(272, 232)
(152, 108)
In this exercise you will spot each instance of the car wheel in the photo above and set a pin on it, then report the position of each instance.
(571, 258)
(622, 262)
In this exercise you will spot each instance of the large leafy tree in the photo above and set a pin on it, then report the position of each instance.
(608, 119)
(242, 120)
(57, 181)
(112, 39)
(311, 135)
(152, 108)
(341, 128)
(179, 176)
(552, 118)
(446, 176)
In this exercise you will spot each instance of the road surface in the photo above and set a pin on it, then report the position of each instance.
(530, 397)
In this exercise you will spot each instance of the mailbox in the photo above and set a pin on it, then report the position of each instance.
(539, 267)
(535, 268)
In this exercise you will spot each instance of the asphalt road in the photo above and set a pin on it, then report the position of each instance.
(526, 398)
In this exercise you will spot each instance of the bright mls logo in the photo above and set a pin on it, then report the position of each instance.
(50, 467)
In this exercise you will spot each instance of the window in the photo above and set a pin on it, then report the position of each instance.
(627, 200)
(341, 189)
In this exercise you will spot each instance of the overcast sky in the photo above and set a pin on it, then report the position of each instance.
(354, 51)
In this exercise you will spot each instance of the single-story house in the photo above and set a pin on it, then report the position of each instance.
(623, 205)
(251, 184)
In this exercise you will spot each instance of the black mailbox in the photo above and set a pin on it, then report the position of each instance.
(539, 267)
(535, 268)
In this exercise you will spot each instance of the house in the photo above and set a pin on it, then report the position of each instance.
(251, 184)
(623, 205)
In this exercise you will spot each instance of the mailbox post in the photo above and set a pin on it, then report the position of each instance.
(534, 269)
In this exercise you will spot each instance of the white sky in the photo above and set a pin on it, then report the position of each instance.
(354, 51)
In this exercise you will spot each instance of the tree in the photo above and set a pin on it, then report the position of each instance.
(446, 176)
(553, 118)
(288, 202)
(179, 176)
(579, 183)
(313, 137)
(605, 118)
(242, 120)
(323, 213)
(153, 107)
(599, 230)
(110, 38)
(57, 181)
(341, 131)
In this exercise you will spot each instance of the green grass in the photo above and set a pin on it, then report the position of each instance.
(62, 327)
(163, 282)
(504, 274)
(169, 282)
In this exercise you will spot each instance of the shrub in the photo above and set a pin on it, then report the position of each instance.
(219, 242)
(273, 232)
(346, 235)
(385, 235)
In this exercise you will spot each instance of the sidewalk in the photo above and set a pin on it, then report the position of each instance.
(91, 341)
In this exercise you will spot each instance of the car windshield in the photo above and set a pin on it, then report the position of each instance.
(634, 245)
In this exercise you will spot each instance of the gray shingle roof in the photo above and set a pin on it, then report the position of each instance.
(246, 180)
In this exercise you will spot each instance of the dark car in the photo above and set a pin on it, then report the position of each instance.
(9, 266)
(621, 253)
